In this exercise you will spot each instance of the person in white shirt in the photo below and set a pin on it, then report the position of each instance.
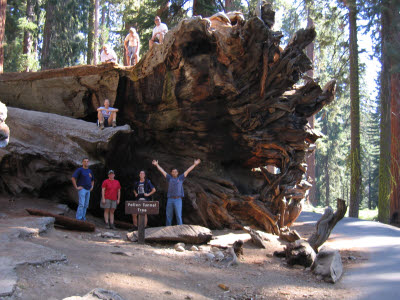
(107, 115)
(108, 55)
(158, 32)
(132, 45)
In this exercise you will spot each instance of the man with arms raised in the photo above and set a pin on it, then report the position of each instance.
(175, 191)
(83, 181)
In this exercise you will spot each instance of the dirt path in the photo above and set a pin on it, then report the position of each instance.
(158, 271)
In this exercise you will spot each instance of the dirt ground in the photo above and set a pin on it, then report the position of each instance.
(157, 271)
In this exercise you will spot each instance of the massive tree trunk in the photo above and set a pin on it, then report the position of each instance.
(385, 128)
(27, 47)
(355, 155)
(221, 90)
(394, 27)
(3, 6)
(48, 28)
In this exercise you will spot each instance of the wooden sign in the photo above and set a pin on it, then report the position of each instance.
(142, 207)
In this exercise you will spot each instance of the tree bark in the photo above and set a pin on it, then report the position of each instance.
(90, 41)
(355, 155)
(48, 28)
(229, 5)
(3, 6)
(27, 46)
(394, 39)
(96, 32)
(385, 126)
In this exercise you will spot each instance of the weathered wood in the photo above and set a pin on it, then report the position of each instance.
(220, 89)
(326, 224)
(64, 221)
(290, 236)
(188, 234)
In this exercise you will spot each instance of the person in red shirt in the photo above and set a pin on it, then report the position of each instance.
(110, 197)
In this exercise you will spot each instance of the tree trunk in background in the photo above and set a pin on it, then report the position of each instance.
(311, 157)
(194, 9)
(355, 183)
(385, 138)
(3, 5)
(394, 38)
(27, 34)
(96, 32)
(228, 5)
(162, 12)
(48, 26)
(102, 39)
(369, 185)
(90, 49)
(327, 181)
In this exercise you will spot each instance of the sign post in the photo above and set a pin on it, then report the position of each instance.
(141, 208)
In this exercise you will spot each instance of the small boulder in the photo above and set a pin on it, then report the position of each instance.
(180, 249)
(179, 245)
(97, 293)
(194, 248)
(328, 265)
(209, 256)
(219, 255)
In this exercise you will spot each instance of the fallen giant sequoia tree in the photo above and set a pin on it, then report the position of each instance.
(220, 89)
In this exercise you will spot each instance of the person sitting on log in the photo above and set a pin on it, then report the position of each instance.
(143, 191)
(83, 181)
(175, 191)
(108, 55)
(132, 45)
(110, 198)
(107, 115)
(158, 32)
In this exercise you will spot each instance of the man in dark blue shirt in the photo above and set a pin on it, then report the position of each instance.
(175, 191)
(83, 181)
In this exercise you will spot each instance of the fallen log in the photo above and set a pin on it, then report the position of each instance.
(64, 221)
(326, 223)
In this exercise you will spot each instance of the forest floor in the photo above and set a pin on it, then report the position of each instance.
(157, 271)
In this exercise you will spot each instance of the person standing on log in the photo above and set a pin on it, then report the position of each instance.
(132, 45)
(143, 191)
(107, 115)
(83, 181)
(158, 32)
(110, 197)
(175, 191)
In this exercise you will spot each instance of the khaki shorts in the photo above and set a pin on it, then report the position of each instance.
(109, 204)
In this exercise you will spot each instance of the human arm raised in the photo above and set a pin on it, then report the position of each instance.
(195, 163)
(155, 162)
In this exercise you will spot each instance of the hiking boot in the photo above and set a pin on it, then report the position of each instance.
(108, 226)
(134, 228)
(101, 126)
(114, 124)
(112, 226)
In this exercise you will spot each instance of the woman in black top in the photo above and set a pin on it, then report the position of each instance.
(143, 191)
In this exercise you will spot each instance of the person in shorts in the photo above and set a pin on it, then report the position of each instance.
(110, 198)
(158, 32)
(143, 191)
(132, 45)
(107, 115)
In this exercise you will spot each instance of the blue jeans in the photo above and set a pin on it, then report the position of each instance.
(84, 196)
(174, 205)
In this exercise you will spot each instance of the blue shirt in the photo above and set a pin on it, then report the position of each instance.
(84, 178)
(175, 188)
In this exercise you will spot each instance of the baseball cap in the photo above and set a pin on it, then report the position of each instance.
(111, 171)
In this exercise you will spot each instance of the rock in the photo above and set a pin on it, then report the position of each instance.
(96, 294)
(64, 208)
(168, 293)
(227, 240)
(194, 248)
(53, 146)
(189, 234)
(300, 253)
(328, 265)
(4, 130)
(215, 249)
(180, 249)
(352, 258)
(223, 287)
(109, 235)
(219, 255)
(209, 256)
(182, 245)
